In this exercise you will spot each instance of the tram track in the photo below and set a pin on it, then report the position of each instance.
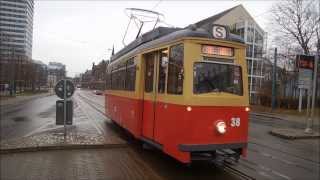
(91, 103)
(244, 176)
(227, 168)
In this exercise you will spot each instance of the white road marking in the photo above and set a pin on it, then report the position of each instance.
(39, 129)
(274, 172)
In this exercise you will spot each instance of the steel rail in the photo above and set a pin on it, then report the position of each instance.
(229, 169)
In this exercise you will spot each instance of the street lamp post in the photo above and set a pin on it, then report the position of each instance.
(274, 79)
(314, 85)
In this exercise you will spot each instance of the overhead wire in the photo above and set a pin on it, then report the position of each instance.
(156, 5)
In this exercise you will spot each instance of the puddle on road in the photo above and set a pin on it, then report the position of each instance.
(20, 119)
(50, 112)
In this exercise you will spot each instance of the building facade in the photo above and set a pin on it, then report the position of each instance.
(99, 75)
(56, 72)
(242, 23)
(16, 26)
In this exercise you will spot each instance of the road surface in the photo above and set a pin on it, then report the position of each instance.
(269, 157)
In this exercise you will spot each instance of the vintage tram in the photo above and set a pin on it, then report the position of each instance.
(183, 91)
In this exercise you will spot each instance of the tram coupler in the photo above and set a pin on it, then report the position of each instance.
(226, 156)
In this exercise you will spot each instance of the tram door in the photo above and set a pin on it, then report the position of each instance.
(150, 93)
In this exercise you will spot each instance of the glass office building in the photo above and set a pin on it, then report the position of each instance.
(16, 25)
(242, 23)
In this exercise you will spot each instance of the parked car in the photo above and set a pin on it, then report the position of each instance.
(97, 92)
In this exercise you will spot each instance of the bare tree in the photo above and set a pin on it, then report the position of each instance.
(297, 21)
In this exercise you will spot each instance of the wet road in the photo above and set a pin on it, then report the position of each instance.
(276, 158)
(21, 119)
(130, 162)
(269, 157)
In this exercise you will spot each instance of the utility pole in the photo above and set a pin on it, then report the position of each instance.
(314, 84)
(12, 73)
(274, 79)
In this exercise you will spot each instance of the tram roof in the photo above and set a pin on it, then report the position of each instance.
(165, 34)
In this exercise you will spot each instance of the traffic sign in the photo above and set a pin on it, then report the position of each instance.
(305, 65)
(59, 89)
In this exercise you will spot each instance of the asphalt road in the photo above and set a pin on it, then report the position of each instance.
(269, 157)
(18, 120)
(276, 158)
(130, 162)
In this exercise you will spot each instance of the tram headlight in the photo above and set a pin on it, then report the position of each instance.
(221, 127)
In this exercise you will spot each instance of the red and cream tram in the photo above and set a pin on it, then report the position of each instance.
(182, 90)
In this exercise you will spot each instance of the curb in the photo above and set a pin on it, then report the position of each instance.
(62, 147)
(29, 99)
(292, 137)
(267, 115)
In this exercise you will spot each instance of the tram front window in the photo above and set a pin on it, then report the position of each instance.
(214, 77)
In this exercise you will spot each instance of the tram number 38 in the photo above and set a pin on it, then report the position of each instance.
(235, 122)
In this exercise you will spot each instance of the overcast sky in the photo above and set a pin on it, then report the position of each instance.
(78, 33)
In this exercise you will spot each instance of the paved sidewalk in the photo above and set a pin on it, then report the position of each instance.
(118, 163)
(291, 132)
(90, 129)
(287, 117)
(55, 140)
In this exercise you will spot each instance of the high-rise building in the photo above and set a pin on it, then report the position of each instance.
(243, 24)
(16, 25)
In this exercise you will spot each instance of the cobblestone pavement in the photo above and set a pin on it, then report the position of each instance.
(131, 162)
(57, 139)
(75, 164)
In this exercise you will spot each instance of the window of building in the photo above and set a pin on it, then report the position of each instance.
(249, 66)
(163, 64)
(149, 59)
(257, 68)
(175, 70)
(258, 38)
(249, 50)
(258, 51)
(241, 32)
(250, 34)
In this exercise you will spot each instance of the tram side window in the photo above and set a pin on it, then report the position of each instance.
(163, 70)
(108, 81)
(118, 78)
(149, 59)
(130, 75)
(122, 78)
(115, 80)
(175, 70)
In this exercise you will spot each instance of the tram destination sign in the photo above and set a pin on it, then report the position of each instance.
(219, 31)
